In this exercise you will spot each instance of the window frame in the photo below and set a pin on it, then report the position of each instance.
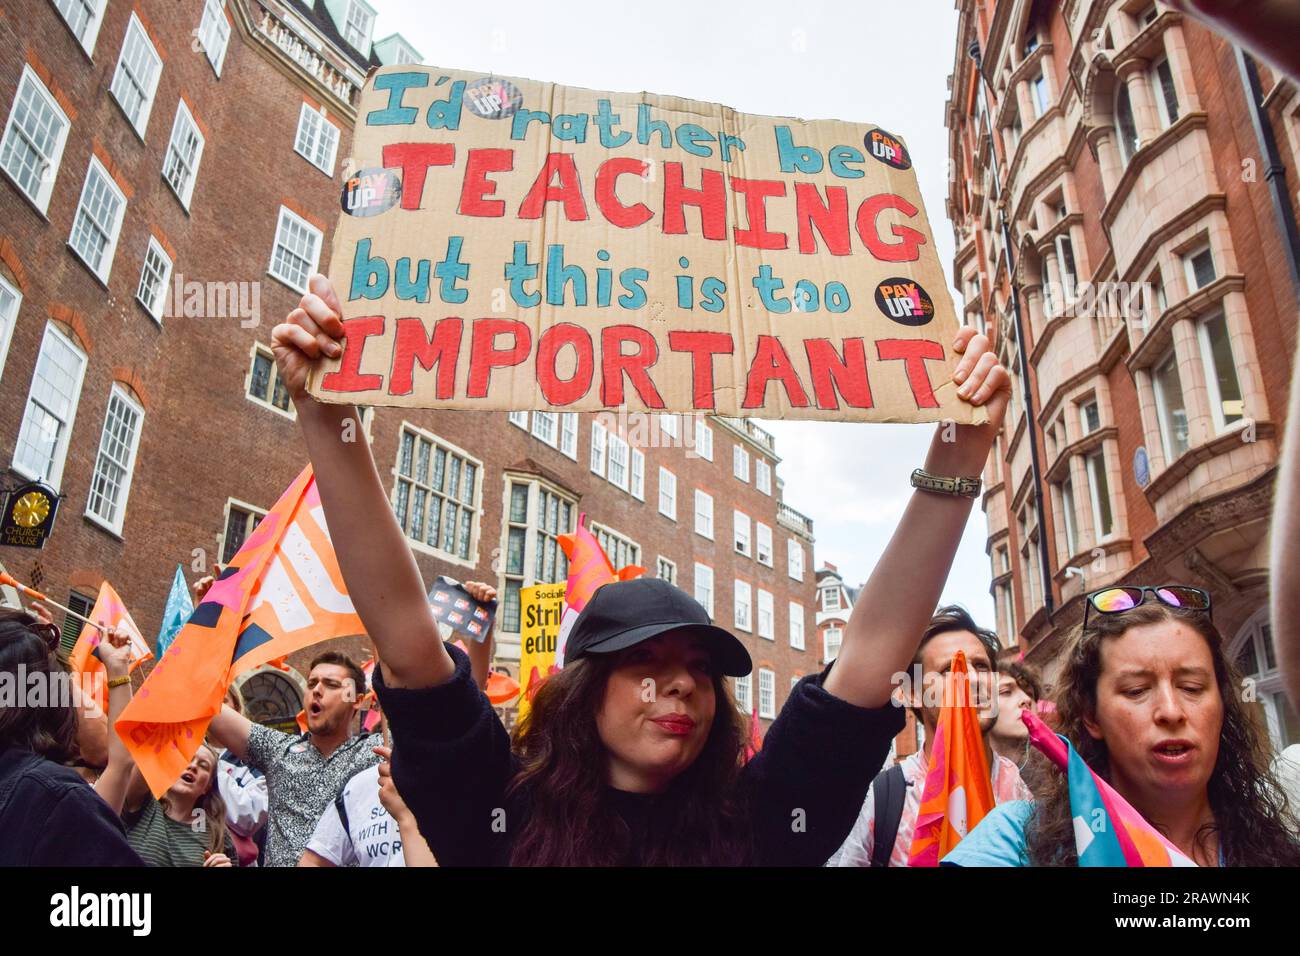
(1189, 268)
(598, 452)
(1091, 466)
(1213, 393)
(119, 391)
(55, 477)
(141, 123)
(759, 536)
(763, 476)
(827, 658)
(251, 511)
(759, 595)
(110, 246)
(703, 497)
(791, 546)
(767, 712)
(569, 435)
(1160, 93)
(371, 16)
(702, 429)
(532, 527)
(1067, 513)
(743, 599)
(797, 613)
(1128, 148)
(185, 195)
(288, 214)
(1164, 421)
(672, 495)
(740, 463)
(155, 311)
(10, 322)
(696, 582)
(474, 506)
(741, 520)
(221, 26)
(322, 127)
(42, 198)
(264, 350)
(660, 563)
(743, 690)
(1038, 85)
(93, 25)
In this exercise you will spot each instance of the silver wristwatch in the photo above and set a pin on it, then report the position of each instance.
(962, 487)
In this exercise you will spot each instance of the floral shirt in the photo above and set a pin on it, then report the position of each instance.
(301, 784)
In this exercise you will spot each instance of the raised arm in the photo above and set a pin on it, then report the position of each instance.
(381, 574)
(115, 781)
(1286, 531)
(891, 613)
(230, 729)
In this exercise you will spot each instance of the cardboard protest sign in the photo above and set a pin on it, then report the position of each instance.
(540, 609)
(452, 605)
(510, 244)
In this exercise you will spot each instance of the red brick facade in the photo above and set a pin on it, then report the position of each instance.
(1128, 158)
(204, 441)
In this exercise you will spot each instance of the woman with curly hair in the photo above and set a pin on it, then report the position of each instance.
(1151, 703)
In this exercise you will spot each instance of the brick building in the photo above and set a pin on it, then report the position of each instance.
(171, 174)
(1110, 191)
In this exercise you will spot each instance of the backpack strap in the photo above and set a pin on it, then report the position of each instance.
(341, 806)
(889, 790)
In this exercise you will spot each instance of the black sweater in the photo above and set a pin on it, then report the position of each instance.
(49, 816)
(452, 764)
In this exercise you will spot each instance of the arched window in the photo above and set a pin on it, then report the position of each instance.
(1252, 651)
(1125, 127)
(273, 698)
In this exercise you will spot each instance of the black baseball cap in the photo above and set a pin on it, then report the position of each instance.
(624, 613)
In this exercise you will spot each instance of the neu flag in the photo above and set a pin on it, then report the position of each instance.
(755, 742)
(110, 612)
(958, 791)
(176, 612)
(589, 569)
(283, 591)
(1107, 830)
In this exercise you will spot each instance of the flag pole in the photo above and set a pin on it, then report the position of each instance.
(36, 595)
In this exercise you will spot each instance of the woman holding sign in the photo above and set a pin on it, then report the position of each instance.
(632, 753)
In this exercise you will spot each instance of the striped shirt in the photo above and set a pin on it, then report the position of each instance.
(162, 841)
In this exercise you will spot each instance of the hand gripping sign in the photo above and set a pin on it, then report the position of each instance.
(510, 244)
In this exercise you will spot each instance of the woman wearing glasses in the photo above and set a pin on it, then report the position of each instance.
(49, 816)
(1150, 702)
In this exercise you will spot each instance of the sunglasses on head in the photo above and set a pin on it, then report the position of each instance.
(46, 632)
(1119, 599)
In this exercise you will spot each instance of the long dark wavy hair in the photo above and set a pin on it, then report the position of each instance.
(562, 779)
(1253, 824)
(49, 731)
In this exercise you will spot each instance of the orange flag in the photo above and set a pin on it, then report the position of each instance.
(109, 611)
(958, 792)
(283, 591)
(589, 567)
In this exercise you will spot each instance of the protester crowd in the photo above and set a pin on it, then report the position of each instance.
(602, 772)
(1152, 725)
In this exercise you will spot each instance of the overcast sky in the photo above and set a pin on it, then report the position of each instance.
(867, 62)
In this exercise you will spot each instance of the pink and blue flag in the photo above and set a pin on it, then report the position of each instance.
(1107, 830)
